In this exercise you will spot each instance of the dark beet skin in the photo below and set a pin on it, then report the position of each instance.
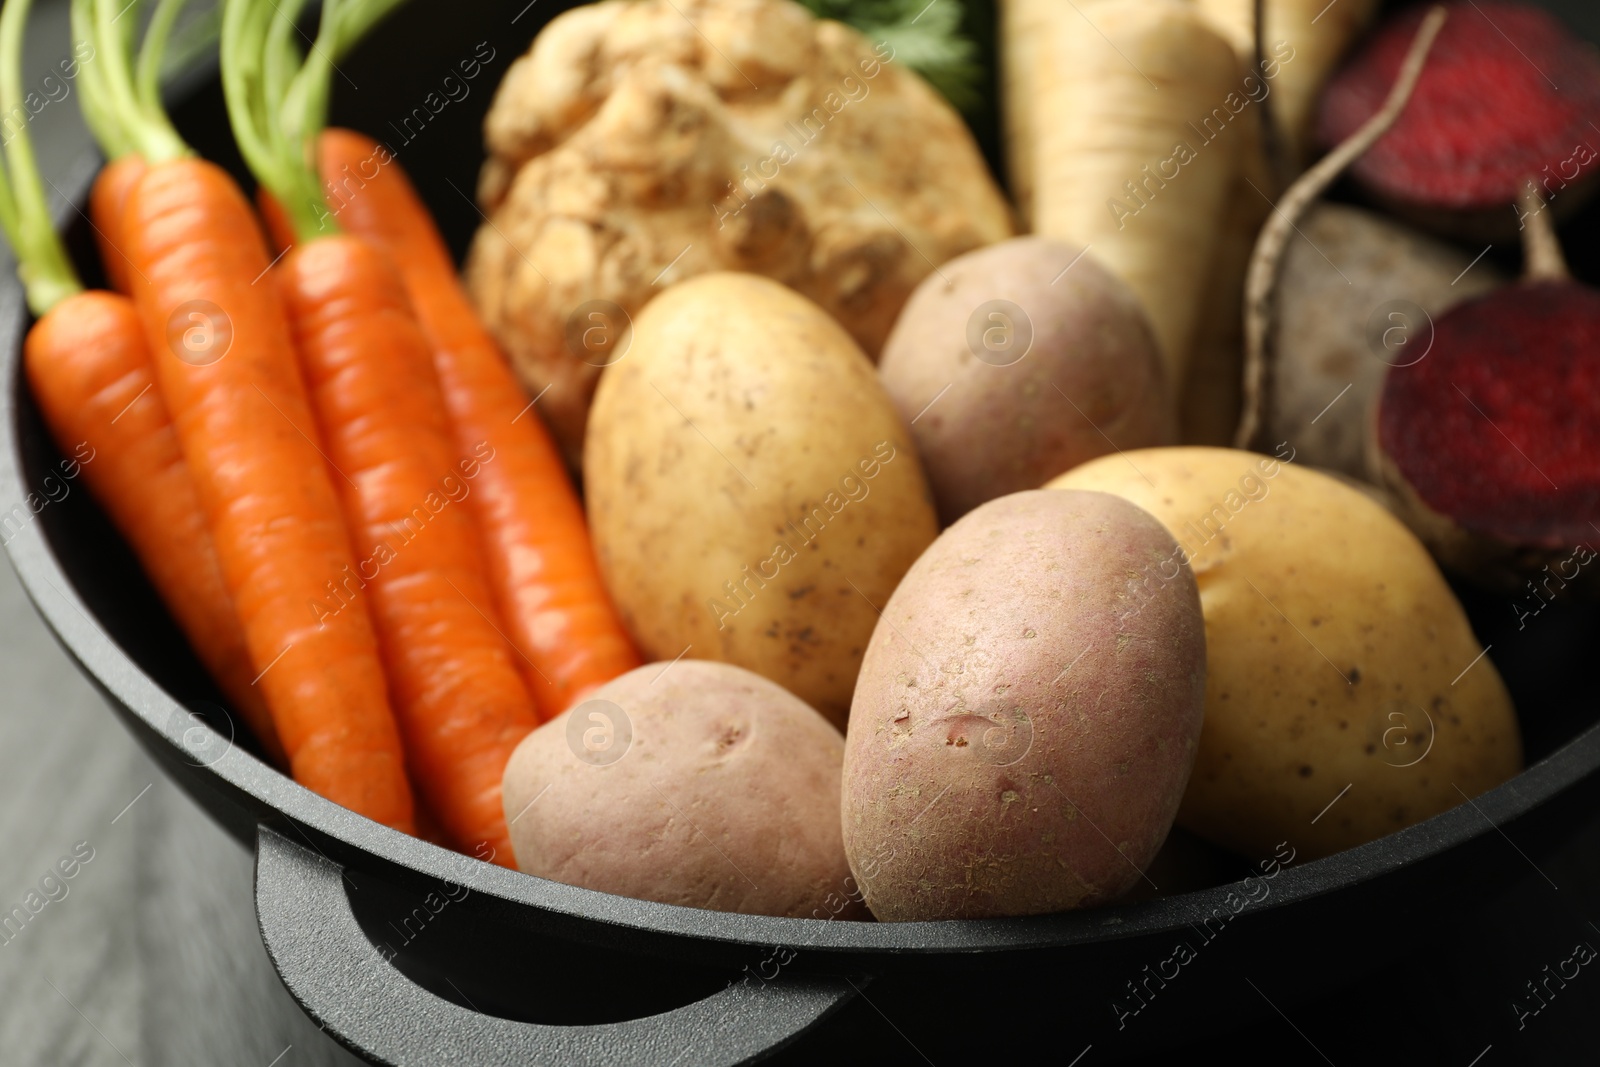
(1497, 428)
(1487, 112)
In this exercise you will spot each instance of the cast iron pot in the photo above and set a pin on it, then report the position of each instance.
(408, 953)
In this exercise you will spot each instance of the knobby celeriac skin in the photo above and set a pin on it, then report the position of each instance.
(691, 783)
(1336, 654)
(1020, 361)
(639, 144)
(1013, 713)
(751, 492)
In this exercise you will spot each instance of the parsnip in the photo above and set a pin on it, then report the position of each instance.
(1261, 280)
(1136, 141)
(1319, 33)
(1022, 23)
(1208, 406)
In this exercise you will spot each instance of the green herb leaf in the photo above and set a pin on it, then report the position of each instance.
(926, 36)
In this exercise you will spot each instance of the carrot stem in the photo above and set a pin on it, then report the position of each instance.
(114, 144)
(303, 109)
(153, 51)
(146, 126)
(42, 262)
(197, 36)
(356, 18)
(272, 132)
(282, 55)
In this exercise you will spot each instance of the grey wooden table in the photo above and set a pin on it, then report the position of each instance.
(151, 956)
(148, 954)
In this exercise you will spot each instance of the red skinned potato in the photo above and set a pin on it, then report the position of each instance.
(1025, 721)
(1020, 361)
(689, 783)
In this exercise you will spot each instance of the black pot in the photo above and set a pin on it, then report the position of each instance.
(408, 953)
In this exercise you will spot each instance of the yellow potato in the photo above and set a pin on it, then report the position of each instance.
(752, 494)
(1336, 654)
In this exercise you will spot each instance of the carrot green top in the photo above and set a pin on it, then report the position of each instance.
(278, 100)
(120, 95)
(42, 262)
(121, 100)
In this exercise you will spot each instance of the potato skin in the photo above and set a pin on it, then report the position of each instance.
(1355, 695)
(1090, 382)
(1011, 689)
(751, 492)
(725, 796)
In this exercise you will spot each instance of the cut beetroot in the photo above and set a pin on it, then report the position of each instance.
(1497, 429)
(1508, 94)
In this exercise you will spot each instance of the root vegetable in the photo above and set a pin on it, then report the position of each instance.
(1335, 653)
(690, 783)
(751, 490)
(629, 151)
(1007, 697)
(1489, 443)
(1136, 149)
(1507, 98)
(1023, 24)
(1317, 33)
(1017, 362)
(1260, 285)
(541, 563)
(1311, 36)
(1338, 330)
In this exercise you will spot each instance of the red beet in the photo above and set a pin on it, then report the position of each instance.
(1508, 95)
(1499, 425)
(1491, 441)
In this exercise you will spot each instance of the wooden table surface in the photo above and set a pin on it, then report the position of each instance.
(152, 955)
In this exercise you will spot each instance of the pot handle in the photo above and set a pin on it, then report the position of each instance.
(343, 982)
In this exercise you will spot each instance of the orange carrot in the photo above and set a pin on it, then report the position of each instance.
(541, 563)
(276, 221)
(88, 366)
(89, 369)
(241, 413)
(107, 201)
(461, 703)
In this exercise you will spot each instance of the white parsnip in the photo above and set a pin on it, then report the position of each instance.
(1136, 145)
(1208, 407)
(1261, 280)
(1022, 24)
(1317, 35)
(1300, 44)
